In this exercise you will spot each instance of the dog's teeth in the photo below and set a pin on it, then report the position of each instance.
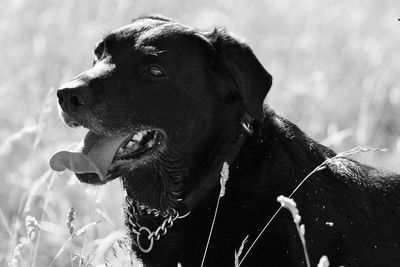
(120, 150)
(150, 143)
(130, 144)
(138, 136)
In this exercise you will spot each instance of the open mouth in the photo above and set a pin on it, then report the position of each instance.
(102, 158)
(137, 146)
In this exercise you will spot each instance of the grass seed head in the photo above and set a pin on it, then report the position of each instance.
(70, 219)
(323, 262)
(291, 205)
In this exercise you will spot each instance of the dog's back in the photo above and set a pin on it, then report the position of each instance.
(351, 211)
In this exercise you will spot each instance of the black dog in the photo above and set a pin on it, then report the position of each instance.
(166, 105)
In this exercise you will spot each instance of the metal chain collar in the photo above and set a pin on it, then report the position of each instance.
(169, 217)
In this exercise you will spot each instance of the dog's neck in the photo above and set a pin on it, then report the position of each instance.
(167, 178)
(223, 153)
(175, 173)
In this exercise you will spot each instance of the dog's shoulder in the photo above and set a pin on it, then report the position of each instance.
(281, 155)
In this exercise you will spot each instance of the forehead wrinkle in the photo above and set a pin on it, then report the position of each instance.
(150, 50)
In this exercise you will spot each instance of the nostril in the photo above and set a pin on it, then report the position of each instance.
(76, 101)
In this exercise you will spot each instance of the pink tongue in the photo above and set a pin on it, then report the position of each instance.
(97, 154)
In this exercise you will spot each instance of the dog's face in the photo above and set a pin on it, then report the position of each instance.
(158, 89)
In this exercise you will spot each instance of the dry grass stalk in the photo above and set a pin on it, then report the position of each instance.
(223, 179)
(240, 251)
(82, 230)
(31, 224)
(291, 205)
(46, 199)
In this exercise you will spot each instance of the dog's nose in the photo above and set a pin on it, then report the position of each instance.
(73, 95)
(68, 97)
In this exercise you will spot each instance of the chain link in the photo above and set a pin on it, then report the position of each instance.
(170, 216)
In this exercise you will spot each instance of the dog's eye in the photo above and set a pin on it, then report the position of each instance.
(156, 71)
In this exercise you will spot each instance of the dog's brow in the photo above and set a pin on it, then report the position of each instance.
(152, 51)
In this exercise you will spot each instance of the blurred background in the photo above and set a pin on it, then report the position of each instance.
(335, 63)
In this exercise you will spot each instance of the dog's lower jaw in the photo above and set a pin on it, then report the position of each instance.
(159, 183)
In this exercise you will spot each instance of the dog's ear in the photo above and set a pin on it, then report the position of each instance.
(245, 74)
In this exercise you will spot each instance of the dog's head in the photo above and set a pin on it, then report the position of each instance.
(158, 97)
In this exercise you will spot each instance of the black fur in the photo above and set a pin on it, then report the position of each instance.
(351, 211)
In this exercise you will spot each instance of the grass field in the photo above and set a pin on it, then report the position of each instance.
(336, 74)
